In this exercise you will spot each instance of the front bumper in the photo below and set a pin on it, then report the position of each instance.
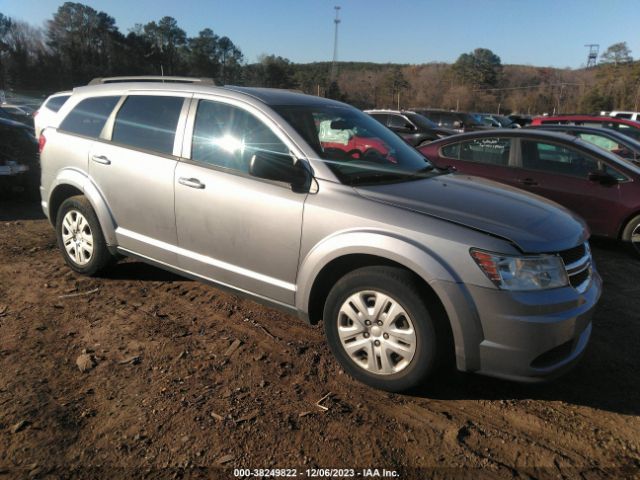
(524, 336)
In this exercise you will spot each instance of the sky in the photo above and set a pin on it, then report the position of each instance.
(529, 32)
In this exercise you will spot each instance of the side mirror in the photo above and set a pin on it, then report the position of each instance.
(279, 168)
(603, 178)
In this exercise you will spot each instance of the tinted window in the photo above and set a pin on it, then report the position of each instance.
(398, 121)
(556, 159)
(381, 117)
(624, 115)
(89, 116)
(148, 122)
(490, 151)
(56, 103)
(228, 137)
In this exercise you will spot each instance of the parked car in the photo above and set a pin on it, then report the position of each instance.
(457, 121)
(611, 140)
(405, 263)
(635, 116)
(496, 121)
(45, 115)
(627, 127)
(522, 120)
(19, 167)
(414, 128)
(19, 113)
(599, 186)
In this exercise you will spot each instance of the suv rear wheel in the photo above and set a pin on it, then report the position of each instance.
(80, 238)
(380, 330)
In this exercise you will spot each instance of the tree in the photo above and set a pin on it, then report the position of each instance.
(204, 54)
(616, 54)
(231, 58)
(167, 42)
(480, 68)
(395, 83)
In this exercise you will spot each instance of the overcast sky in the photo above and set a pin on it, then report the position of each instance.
(532, 32)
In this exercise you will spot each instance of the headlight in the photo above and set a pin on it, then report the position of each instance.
(539, 272)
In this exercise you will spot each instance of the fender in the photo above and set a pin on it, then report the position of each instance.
(78, 179)
(464, 319)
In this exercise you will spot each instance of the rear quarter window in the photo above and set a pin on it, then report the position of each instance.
(88, 117)
(54, 104)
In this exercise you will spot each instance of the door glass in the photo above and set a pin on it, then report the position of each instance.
(228, 137)
(148, 122)
(397, 121)
(600, 141)
(552, 158)
(89, 116)
(490, 151)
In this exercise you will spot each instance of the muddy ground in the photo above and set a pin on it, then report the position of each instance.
(191, 382)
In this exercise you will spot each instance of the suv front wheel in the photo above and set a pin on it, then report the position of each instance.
(80, 238)
(380, 330)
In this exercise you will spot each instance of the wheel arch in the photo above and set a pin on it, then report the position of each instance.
(72, 182)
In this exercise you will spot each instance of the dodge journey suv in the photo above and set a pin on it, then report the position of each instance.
(312, 206)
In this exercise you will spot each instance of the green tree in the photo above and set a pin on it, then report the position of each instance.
(616, 54)
(395, 83)
(167, 42)
(204, 54)
(481, 68)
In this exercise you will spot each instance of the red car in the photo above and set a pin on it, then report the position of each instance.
(622, 125)
(601, 187)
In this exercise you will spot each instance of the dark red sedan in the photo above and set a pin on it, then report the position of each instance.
(622, 125)
(599, 186)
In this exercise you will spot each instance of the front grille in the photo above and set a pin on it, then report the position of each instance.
(577, 262)
(573, 254)
(579, 278)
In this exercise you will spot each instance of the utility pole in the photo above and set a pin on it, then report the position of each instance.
(334, 66)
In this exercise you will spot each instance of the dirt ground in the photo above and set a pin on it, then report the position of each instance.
(191, 382)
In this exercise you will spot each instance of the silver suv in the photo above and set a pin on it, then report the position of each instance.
(314, 207)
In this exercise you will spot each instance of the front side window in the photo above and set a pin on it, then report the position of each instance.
(227, 136)
(89, 116)
(148, 122)
(490, 151)
(398, 121)
(600, 141)
(357, 148)
(553, 158)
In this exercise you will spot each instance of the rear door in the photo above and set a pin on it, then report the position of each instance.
(233, 228)
(561, 173)
(134, 169)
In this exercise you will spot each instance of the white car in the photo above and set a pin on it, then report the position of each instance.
(635, 116)
(48, 111)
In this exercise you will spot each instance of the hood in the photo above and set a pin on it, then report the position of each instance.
(534, 224)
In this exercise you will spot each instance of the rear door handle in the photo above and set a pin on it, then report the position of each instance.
(101, 159)
(191, 182)
(530, 182)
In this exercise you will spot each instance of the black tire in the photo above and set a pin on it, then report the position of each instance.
(100, 257)
(402, 287)
(631, 231)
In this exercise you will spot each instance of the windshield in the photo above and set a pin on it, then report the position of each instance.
(357, 148)
(421, 121)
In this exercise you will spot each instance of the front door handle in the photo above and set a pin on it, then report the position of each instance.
(101, 159)
(529, 182)
(191, 182)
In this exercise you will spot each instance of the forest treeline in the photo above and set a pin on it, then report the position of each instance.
(80, 43)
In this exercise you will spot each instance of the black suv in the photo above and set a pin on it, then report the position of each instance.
(414, 128)
(458, 121)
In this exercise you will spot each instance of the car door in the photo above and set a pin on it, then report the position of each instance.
(488, 157)
(134, 171)
(233, 228)
(561, 173)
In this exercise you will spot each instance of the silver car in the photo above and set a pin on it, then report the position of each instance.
(312, 206)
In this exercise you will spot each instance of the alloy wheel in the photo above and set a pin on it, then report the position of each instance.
(77, 237)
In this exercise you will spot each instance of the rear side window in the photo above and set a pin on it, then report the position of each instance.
(89, 116)
(54, 104)
(490, 151)
(148, 122)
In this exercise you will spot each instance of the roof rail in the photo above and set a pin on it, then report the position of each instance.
(152, 78)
